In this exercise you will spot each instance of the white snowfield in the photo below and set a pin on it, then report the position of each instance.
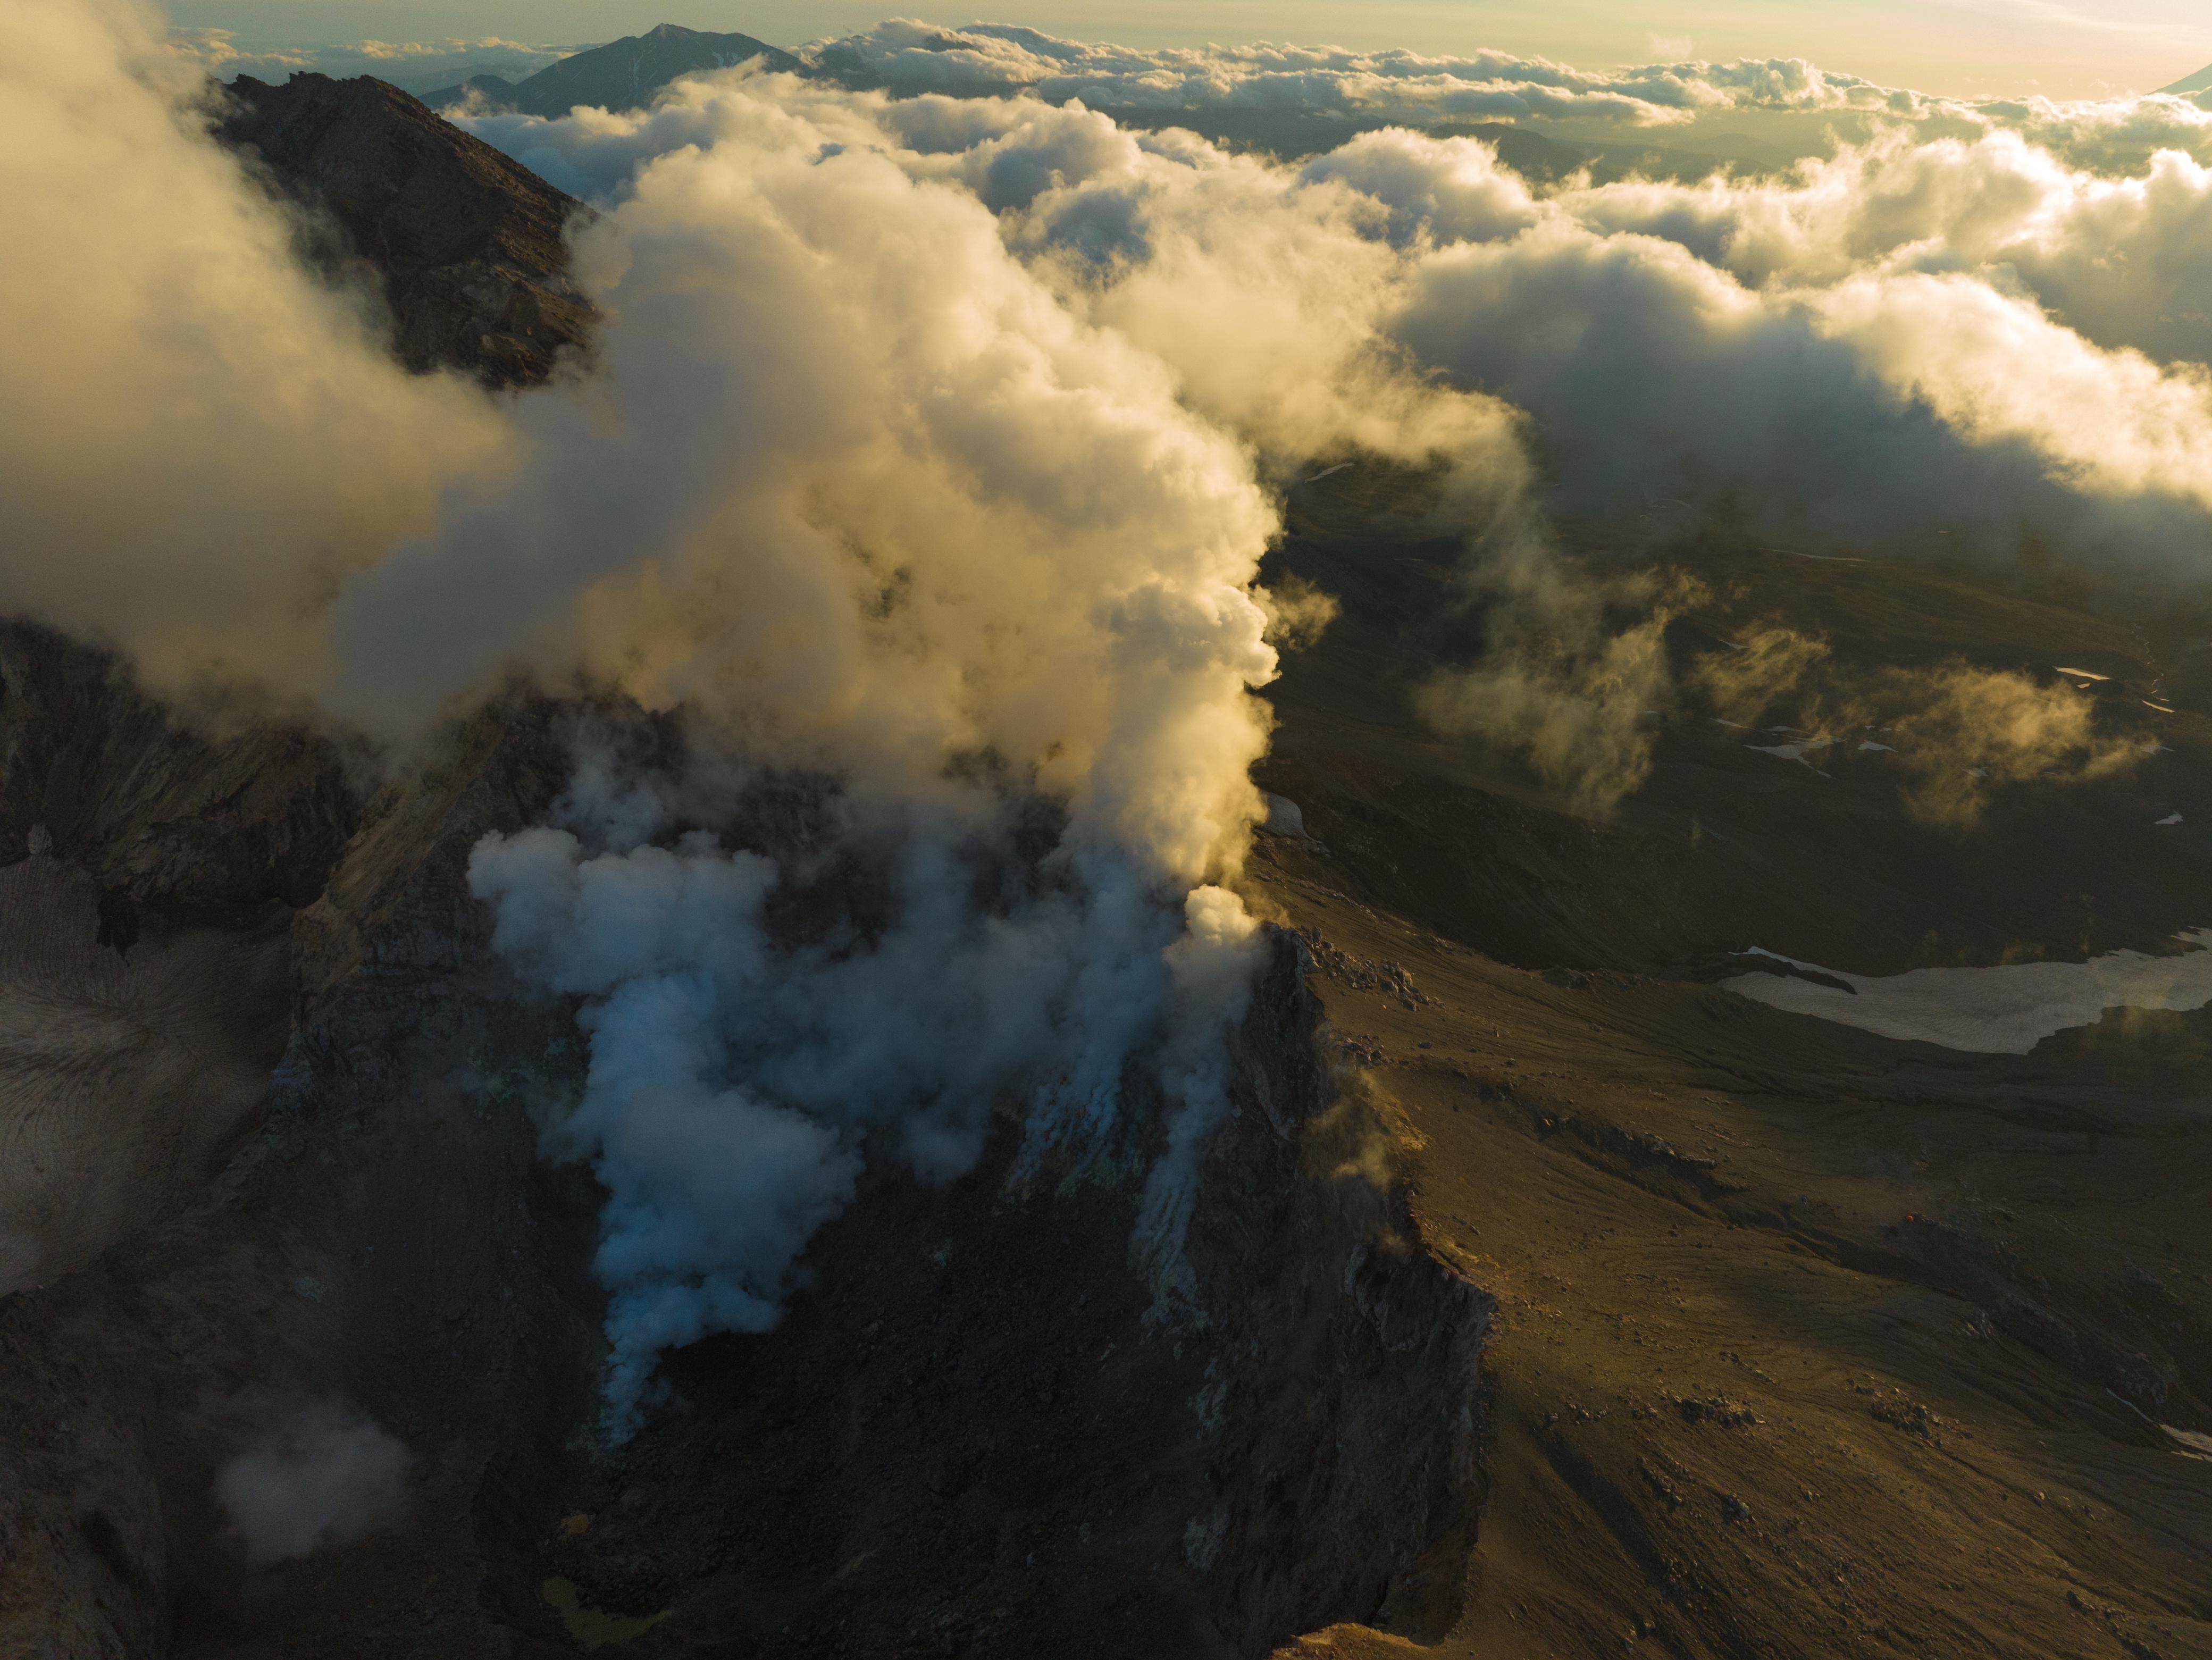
(2006, 1010)
(1796, 751)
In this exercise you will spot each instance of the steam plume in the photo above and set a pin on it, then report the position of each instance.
(1960, 733)
(199, 440)
(928, 469)
(322, 1476)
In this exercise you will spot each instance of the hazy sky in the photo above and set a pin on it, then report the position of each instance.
(2065, 48)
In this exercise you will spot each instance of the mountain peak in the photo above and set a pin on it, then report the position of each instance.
(468, 241)
(626, 74)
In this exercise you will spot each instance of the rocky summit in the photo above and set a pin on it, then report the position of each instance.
(463, 244)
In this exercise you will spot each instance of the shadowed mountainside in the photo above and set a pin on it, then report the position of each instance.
(465, 244)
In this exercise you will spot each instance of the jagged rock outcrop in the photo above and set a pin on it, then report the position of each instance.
(466, 244)
(974, 1422)
(979, 1432)
(217, 820)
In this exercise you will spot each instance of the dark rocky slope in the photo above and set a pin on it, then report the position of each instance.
(988, 1440)
(465, 244)
(218, 819)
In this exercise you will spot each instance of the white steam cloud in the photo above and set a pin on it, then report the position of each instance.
(927, 468)
(1910, 344)
(735, 1080)
(198, 440)
(322, 1476)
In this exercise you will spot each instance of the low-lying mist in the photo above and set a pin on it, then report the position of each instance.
(927, 458)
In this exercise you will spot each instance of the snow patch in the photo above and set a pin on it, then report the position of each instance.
(2006, 1010)
(1796, 751)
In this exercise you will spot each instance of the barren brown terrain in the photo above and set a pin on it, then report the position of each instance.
(1761, 1380)
(1808, 1341)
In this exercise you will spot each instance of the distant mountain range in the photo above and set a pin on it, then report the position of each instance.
(2188, 85)
(625, 74)
(621, 75)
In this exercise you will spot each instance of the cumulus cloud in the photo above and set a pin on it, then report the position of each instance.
(323, 1475)
(1887, 409)
(2120, 261)
(874, 511)
(908, 56)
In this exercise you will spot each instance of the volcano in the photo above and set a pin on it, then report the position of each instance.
(1542, 1292)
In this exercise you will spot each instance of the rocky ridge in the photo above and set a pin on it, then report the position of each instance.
(467, 246)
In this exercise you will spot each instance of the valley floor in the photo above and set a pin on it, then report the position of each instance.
(1804, 1337)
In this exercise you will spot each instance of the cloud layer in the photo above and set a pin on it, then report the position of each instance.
(908, 56)
(1784, 98)
(416, 66)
